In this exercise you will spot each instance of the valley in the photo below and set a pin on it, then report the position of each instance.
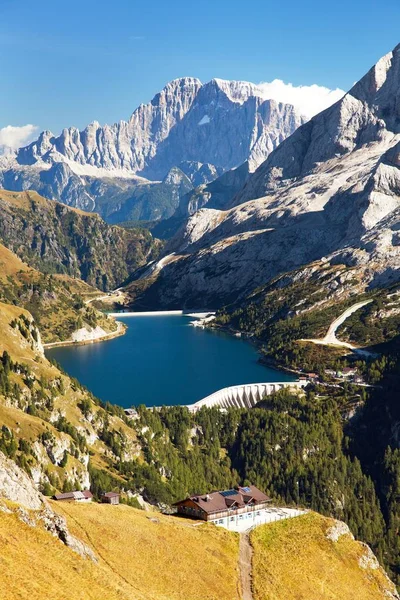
(114, 241)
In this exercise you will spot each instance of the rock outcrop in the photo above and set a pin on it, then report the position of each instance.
(367, 560)
(16, 486)
(33, 508)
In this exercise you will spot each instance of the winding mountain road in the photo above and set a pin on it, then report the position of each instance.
(111, 297)
(330, 338)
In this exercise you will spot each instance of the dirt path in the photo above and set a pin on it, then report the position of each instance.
(245, 557)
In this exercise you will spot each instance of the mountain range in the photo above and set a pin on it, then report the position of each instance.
(330, 191)
(188, 135)
(283, 247)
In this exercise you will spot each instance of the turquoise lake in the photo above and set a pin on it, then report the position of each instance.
(163, 360)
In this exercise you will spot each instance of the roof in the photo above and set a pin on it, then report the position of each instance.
(110, 495)
(75, 495)
(223, 500)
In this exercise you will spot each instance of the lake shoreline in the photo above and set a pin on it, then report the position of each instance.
(198, 314)
(263, 360)
(121, 330)
(122, 327)
(166, 361)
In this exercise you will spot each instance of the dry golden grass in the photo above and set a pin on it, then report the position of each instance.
(78, 286)
(24, 425)
(163, 559)
(138, 559)
(10, 339)
(36, 566)
(10, 264)
(293, 560)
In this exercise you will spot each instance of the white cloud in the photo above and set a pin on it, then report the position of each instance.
(16, 137)
(308, 99)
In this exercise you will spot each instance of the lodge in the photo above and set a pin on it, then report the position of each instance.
(226, 508)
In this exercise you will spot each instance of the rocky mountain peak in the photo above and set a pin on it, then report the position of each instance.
(236, 91)
(379, 88)
(368, 113)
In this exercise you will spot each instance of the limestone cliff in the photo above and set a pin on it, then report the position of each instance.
(120, 169)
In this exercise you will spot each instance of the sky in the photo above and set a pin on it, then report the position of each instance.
(69, 63)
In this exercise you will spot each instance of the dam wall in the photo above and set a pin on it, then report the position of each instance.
(244, 396)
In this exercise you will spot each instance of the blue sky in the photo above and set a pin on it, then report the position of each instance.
(69, 63)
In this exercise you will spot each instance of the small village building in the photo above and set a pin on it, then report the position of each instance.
(110, 498)
(348, 372)
(132, 413)
(331, 372)
(227, 508)
(76, 496)
(312, 376)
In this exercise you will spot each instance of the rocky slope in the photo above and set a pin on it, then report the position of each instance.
(333, 186)
(216, 194)
(202, 129)
(57, 239)
(19, 497)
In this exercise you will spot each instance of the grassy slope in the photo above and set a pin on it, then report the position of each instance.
(23, 200)
(155, 557)
(52, 300)
(166, 559)
(56, 238)
(29, 427)
(293, 560)
(34, 565)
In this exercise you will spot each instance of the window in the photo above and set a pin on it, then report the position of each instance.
(232, 518)
(221, 521)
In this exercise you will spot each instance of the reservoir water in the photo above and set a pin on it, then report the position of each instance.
(163, 360)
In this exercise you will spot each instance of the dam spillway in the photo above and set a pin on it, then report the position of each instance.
(244, 396)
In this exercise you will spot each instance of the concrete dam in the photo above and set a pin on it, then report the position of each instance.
(244, 396)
